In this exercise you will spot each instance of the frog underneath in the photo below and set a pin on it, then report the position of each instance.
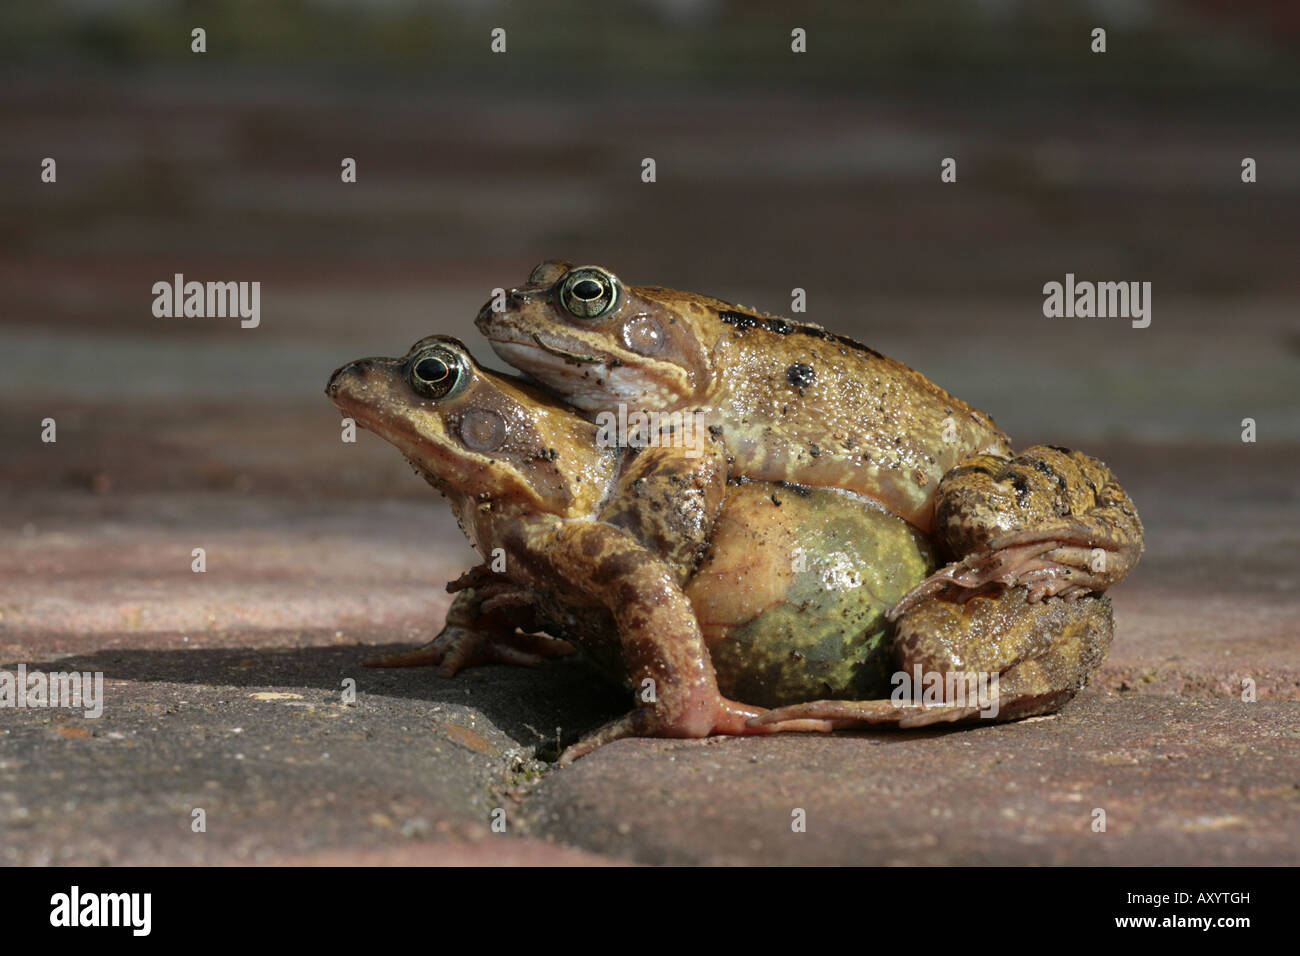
(662, 579)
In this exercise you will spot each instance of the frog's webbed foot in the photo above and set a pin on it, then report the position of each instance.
(1044, 569)
(1053, 520)
(489, 591)
(477, 631)
(477, 577)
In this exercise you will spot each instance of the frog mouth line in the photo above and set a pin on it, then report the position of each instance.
(573, 358)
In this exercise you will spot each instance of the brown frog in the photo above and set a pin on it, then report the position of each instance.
(797, 403)
(774, 594)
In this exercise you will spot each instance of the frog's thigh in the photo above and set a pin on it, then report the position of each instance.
(1042, 653)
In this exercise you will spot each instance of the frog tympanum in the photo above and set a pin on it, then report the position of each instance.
(712, 597)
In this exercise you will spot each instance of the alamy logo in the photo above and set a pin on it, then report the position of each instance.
(102, 909)
(957, 688)
(1102, 300)
(208, 300)
(76, 690)
(651, 430)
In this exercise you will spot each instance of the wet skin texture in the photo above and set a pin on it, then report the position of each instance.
(796, 403)
(647, 566)
(665, 572)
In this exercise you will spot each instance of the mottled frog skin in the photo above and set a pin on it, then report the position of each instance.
(797, 403)
(765, 593)
(762, 592)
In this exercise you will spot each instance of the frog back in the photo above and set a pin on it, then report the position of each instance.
(805, 405)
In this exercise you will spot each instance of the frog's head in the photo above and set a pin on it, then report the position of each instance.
(473, 434)
(600, 343)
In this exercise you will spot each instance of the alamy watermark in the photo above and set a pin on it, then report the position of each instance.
(129, 910)
(208, 300)
(76, 690)
(1103, 300)
(638, 429)
(947, 688)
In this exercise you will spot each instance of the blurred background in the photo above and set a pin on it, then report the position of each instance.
(775, 170)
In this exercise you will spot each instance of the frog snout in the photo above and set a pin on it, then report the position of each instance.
(489, 316)
(357, 369)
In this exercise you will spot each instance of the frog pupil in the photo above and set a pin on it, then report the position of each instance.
(587, 290)
(432, 370)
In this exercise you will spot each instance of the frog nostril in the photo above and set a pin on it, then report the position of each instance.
(498, 306)
(357, 368)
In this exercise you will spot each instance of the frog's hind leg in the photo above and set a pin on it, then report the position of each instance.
(993, 658)
(1051, 519)
(479, 631)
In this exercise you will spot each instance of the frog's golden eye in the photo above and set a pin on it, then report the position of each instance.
(437, 372)
(588, 292)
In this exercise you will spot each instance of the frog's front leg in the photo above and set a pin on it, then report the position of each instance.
(992, 658)
(662, 646)
(1051, 519)
(668, 498)
(481, 628)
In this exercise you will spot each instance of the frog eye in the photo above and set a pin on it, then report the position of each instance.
(588, 292)
(437, 372)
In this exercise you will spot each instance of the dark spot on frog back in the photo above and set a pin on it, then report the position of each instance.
(1050, 472)
(1018, 482)
(741, 320)
(745, 321)
(800, 376)
(800, 490)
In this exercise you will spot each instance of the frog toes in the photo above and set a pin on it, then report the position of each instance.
(1043, 566)
(475, 577)
(425, 655)
(842, 714)
(457, 648)
(967, 578)
(939, 581)
(636, 723)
